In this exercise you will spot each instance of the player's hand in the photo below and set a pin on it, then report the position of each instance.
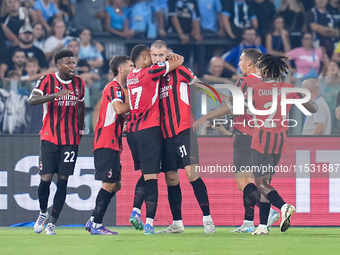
(63, 92)
(198, 123)
(174, 56)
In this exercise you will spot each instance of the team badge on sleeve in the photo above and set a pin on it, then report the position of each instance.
(161, 64)
(119, 94)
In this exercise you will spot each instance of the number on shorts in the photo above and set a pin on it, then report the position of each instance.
(69, 156)
(183, 151)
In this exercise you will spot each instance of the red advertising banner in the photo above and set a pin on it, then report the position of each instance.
(308, 177)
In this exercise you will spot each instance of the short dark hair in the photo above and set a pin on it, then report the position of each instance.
(253, 54)
(62, 54)
(116, 61)
(137, 51)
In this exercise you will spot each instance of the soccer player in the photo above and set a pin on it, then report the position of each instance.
(144, 134)
(180, 147)
(269, 136)
(107, 144)
(242, 141)
(62, 94)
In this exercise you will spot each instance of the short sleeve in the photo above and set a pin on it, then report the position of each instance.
(187, 75)
(158, 70)
(41, 85)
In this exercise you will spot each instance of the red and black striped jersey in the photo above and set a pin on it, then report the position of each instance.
(241, 122)
(143, 86)
(109, 128)
(60, 116)
(175, 108)
(269, 135)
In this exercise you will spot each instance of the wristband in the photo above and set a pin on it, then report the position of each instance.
(81, 132)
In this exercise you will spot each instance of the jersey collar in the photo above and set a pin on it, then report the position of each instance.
(61, 80)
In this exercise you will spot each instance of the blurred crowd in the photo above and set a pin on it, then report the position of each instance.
(32, 31)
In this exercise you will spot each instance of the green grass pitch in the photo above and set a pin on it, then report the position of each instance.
(74, 241)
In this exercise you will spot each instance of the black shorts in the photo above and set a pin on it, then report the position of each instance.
(242, 151)
(180, 151)
(264, 164)
(146, 149)
(57, 159)
(107, 164)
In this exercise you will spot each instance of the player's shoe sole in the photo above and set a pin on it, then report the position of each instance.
(244, 229)
(287, 212)
(172, 229)
(102, 231)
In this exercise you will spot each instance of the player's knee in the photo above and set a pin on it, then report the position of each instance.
(171, 178)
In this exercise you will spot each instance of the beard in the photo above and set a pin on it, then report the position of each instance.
(25, 42)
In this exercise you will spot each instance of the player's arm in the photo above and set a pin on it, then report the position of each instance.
(311, 106)
(38, 98)
(221, 111)
(81, 116)
(120, 107)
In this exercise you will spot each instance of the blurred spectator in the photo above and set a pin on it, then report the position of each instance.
(238, 15)
(293, 13)
(232, 57)
(216, 73)
(211, 17)
(38, 36)
(90, 14)
(321, 24)
(141, 19)
(318, 123)
(333, 8)
(6, 34)
(14, 17)
(32, 72)
(116, 22)
(89, 51)
(185, 18)
(46, 12)
(161, 10)
(277, 41)
(331, 72)
(307, 58)
(26, 44)
(17, 63)
(83, 67)
(58, 40)
(265, 12)
(67, 8)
